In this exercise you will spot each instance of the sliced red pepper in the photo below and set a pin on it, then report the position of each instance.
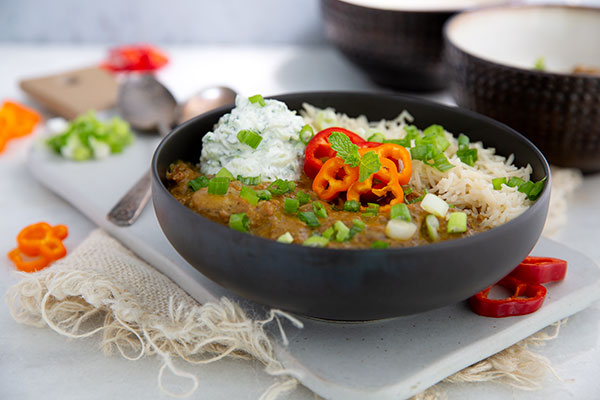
(319, 150)
(540, 270)
(526, 298)
(135, 58)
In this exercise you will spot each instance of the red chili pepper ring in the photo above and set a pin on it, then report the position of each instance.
(526, 299)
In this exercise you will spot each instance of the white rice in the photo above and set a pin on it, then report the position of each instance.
(466, 187)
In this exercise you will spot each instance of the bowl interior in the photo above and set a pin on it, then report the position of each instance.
(518, 36)
(423, 5)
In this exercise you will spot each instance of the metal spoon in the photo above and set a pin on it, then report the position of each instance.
(148, 105)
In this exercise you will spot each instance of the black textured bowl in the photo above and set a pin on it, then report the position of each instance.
(490, 56)
(352, 284)
(398, 44)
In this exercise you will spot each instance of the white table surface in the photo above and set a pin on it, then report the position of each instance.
(39, 363)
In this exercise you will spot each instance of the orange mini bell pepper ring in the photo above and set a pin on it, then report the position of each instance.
(396, 153)
(358, 189)
(41, 238)
(33, 265)
(334, 177)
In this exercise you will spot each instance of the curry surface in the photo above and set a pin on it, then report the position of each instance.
(269, 219)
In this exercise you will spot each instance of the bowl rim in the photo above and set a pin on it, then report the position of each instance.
(456, 19)
(438, 246)
(424, 11)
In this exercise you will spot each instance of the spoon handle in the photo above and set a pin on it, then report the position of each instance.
(129, 208)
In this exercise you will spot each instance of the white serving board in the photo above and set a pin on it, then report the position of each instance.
(389, 359)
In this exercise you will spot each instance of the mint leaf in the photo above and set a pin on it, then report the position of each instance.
(346, 150)
(369, 164)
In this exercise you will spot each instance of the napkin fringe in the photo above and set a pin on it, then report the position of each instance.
(78, 304)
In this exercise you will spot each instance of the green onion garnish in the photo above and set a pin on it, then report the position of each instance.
(224, 173)
(249, 180)
(401, 211)
(357, 226)
(309, 218)
(441, 162)
(497, 183)
(408, 191)
(380, 244)
(316, 241)
(435, 205)
(342, 232)
(319, 209)
(432, 225)
(218, 186)
(463, 140)
(306, 134)
(352, 206)
(515, 181)
(537, 189)
(467, 156)
(249, 138)
(264, 194)
(457, 222)
(257, 98)
(239, 222)
(372, 209)
(281, 186)
(376, 137)
(198, 183)
(291, 205)
(286, 238)
(249, 194)
(327, 233)
(302, 197)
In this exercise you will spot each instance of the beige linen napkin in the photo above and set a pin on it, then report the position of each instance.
(102, 287)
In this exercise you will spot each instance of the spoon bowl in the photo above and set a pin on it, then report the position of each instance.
(205, 100)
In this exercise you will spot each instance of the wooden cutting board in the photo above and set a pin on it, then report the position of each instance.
(72, 93)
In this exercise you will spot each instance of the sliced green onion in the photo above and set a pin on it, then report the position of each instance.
(537, 189)
(467, 156)
(400, 230)
(372, 209)
(401, 211)
(327, 233)
(249, 180)
(457, 222)
(249, 194)
(357, 227)
(319, 209)
(316, 241)
(352, 206)
(224, 173)
(306, 134)
(249, 138)
(281, 186)
(286, 238)
(525, 187)
(239, 222)
(463, 140)
(291, 205)
(432, 225)
(342, 232)
(380, 244)
(515, 181)
(441, 162)
(218, 186)
(257, 98)
(408, 191)
(417, 199)
(497, 183)
(376, 137)
(434, 205)
(309, 218)
(302, 197)
(264, 194)
(198, 183)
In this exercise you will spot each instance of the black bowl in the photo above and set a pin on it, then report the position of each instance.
(490, 56)
(398, 44)
(354, 284)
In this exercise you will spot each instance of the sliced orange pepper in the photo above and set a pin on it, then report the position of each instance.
(16, 120)
(42, 241)
(397, 154)
(388, 175)
(33, 265)
(333, 178)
